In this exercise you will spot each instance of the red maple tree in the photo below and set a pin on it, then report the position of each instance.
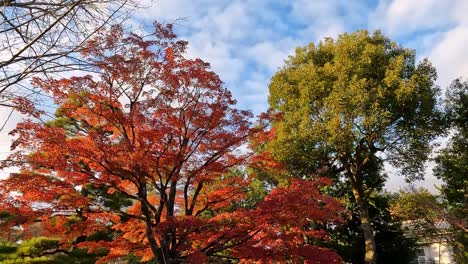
(147, 151)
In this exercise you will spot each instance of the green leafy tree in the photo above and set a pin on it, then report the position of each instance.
(420, 207)
(423, 213)
(35, 250)
(452, 166)
(347, 104)
(427, 219)
(44, 250)
(393, 246)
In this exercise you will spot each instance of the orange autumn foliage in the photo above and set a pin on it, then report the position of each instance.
(159, 134)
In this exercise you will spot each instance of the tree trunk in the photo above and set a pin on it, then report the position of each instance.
(368, 231)
(157, 251)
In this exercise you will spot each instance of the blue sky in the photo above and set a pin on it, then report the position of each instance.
(247, 40)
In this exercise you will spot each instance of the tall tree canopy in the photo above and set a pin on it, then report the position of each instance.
(146, 150)
(452, 166)
(349, 104)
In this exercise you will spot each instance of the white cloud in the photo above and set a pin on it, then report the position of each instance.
(253, 93)
(436, 29)
(5, 139)
(257, 83)
(400, 17)
(173, 9)
(449, 56)
(218, 54)
(449, 53)
(212, 28)
(231, 22)
(272, 54)
(329, 18)
(8, 119)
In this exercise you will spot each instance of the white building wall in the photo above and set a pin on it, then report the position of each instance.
(440, 253)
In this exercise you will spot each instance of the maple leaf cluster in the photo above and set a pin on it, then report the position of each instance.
(146, 152)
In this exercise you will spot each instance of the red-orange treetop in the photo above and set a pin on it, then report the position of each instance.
(145, 150)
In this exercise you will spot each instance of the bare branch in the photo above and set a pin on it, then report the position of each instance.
(45, 38)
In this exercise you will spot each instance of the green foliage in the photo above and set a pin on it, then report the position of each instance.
(421, 210)
(347, 104)
(5, 217)
(360, 90)
(29, 251)
(132, 259)
(114, 199)
(79, 256)
(452, 166)
(256, 192)
(61, 120)
(417, 204)
(47, 250)
(452, 163)
(348, 240)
